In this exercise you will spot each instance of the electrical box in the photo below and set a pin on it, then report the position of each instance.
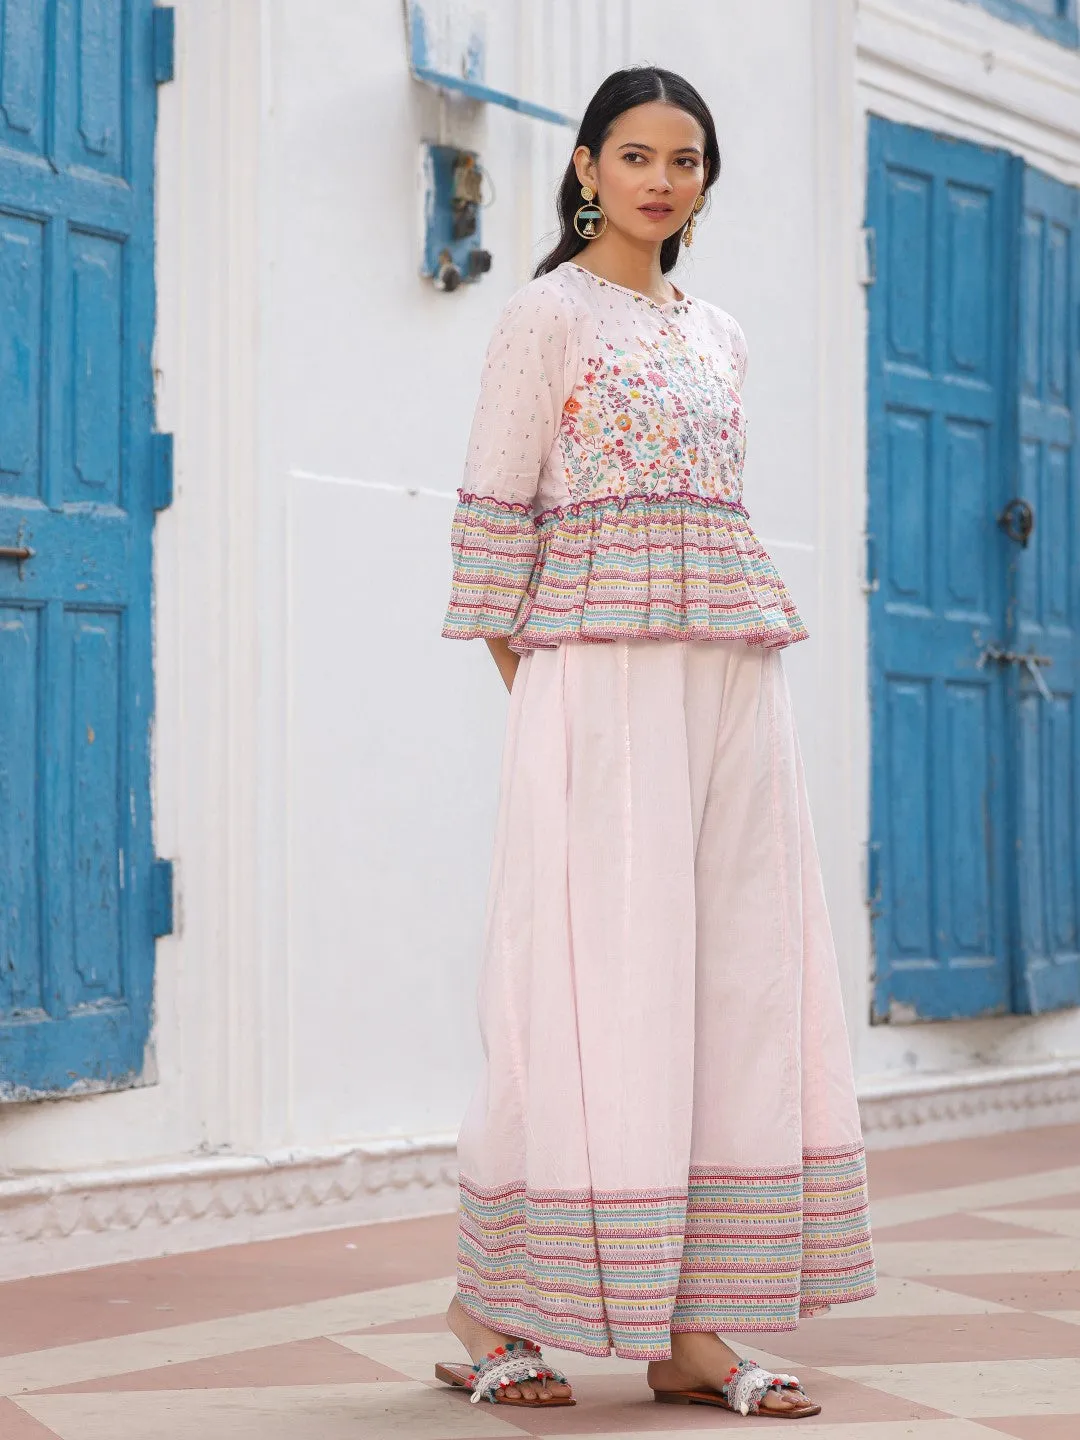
(453, 185)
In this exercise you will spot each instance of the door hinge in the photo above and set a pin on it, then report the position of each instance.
(868, 257)
(870, 582)
(873, 876)
(161, 470)
(161, 898)
(164, 33)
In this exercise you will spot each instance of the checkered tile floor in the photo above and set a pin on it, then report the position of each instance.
(975, 1333)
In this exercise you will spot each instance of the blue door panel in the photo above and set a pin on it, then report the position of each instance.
(1061, 827)
(92, 471)
(967, 246)
(22, 275)
(95, 129)
(21, 986)
(969, 743)
(936, 479)
(22, 87)
(974, 397)
(77, 114)
(969, 477)
(910, 926)
(97, 841)
(1046, 581)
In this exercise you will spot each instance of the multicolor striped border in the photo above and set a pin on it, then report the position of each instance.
(738, 1252)
(495, 545)
(664, 566)
(761, 1251)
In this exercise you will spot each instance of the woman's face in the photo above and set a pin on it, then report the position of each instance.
(650, 171)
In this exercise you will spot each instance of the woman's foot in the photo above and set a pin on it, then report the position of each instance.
(703, 1362)
(479, 1341)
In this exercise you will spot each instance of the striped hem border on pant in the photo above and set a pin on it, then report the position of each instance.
(739, 1252)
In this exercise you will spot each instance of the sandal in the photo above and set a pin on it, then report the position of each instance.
(746, 1387)
(507, 1365)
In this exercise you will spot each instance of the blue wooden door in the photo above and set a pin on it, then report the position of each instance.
(77, 112)
(938, 431)
(1046, 582)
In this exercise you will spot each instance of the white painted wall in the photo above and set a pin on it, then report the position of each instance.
(326, 765)
(389, 785)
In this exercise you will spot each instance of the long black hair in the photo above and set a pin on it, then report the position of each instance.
(620, 92)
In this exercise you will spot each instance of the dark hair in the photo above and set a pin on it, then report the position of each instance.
(620, 92)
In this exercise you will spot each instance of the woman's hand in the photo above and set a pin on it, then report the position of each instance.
(505, 659)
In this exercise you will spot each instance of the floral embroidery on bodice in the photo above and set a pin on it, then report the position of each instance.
(660, 417)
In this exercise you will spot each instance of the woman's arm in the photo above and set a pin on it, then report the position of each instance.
(529, 370)
(505, 658)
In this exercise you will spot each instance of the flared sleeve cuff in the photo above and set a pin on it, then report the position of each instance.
(494, 544)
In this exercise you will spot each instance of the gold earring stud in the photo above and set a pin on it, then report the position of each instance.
(589, 216)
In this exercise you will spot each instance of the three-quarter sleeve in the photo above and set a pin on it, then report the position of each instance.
(529, 370)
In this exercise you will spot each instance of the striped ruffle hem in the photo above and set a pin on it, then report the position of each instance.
(660, 566)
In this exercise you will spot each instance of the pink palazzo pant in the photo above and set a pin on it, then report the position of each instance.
(665, 1136)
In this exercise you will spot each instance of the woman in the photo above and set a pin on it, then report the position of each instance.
(665, 1145)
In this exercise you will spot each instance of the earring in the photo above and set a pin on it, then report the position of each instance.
(591, 214)
(688, 233)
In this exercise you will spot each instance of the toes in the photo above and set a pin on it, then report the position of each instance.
(537, 1394)
(783, 1400)
(554, 1390)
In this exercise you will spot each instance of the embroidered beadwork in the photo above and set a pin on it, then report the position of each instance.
(748, 1384)
(508, 1365)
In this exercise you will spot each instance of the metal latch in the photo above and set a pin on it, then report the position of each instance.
(19, 552)
(1018, 521)
(1032, 663)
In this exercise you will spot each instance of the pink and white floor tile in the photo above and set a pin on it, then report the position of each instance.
(975, 1333)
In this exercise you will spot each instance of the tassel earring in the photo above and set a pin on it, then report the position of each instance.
(688, 233)
(589, 216)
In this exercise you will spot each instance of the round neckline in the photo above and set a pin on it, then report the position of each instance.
(682, 303)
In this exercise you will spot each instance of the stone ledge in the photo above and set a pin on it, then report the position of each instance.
(69, 1221)
(992, 1100)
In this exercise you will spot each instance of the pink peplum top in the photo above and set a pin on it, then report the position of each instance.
(602, 497)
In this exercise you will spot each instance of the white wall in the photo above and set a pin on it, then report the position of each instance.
(326, 765)
(386, 792)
